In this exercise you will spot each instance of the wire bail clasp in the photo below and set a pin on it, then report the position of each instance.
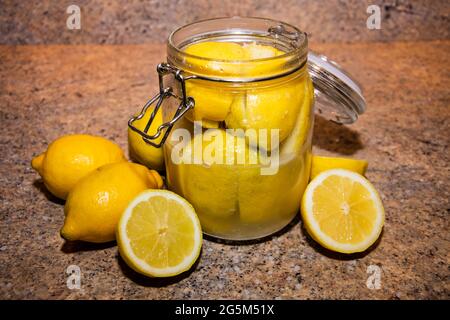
(185, 105)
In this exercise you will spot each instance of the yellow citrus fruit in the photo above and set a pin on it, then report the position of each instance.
(70, 158)
(272, 108)
(141, 151)
(288, 184)
(342, 211)
(217, 50)
(259, 63)
(233, 59)
(221, 57)
(159, 234)
(212, 102)
(95, 204)
(320, 164)
(212, 185)
(301, 132)
(285, 188)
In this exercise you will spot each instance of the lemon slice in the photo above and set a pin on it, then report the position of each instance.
(342, 211)
(159, 234)
(320, 164)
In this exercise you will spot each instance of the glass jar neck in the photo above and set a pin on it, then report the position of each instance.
(276, 34)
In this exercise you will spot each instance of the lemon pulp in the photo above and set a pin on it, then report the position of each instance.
(159, 234)
(342, 211)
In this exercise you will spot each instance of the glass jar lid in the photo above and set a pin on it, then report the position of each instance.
(338, 96)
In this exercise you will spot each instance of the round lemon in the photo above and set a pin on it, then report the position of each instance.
(95, 204)
(212, 185)
(320, 164)
(70, 158)
(159, 234)
(141, 151)
(271, 108)
(342, 211)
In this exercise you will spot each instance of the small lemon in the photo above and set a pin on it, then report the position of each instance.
(320, 164)
(70, 158)
(141, 151)
(95, 204)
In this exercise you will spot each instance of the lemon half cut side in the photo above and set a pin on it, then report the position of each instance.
(159, 234)
(342, 211)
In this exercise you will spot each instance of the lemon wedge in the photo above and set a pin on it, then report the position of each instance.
(159, 234)
(212, 102)
(271, 108)
(320, 164)
(215, 58)
(342, 211)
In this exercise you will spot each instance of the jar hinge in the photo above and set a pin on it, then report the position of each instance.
(185, 105)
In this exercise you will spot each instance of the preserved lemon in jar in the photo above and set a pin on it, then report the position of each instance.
(237, 102)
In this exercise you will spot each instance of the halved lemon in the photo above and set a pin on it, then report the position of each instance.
(159, 234)
(342, 211)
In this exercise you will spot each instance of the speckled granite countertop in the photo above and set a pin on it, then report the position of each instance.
(47, 91)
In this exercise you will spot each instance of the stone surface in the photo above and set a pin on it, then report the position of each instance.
(48, 91)
(136, 21)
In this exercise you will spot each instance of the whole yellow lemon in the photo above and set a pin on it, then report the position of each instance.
(95, 204)
(70, 158)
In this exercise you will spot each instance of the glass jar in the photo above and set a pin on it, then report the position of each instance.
(237, 133)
